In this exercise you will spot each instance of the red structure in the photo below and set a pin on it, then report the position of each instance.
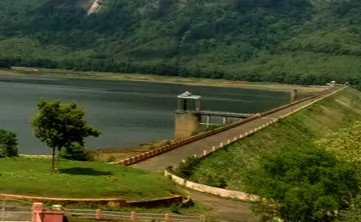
(98, 214)
(41, 215)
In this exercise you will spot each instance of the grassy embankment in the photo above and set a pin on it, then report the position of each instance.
(226, 167)
(31, 176)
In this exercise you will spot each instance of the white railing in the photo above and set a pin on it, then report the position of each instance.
(11, 212)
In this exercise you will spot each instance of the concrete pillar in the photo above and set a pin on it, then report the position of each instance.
(180, 104)
(185, 124)
(198, 105)
(98, 214)
(207, 121)
(133, 216)
(293, 96)
(37, 211)
(167, 217)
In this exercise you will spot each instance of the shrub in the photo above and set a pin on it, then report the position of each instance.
(8, 143)
(186, 169)
(111, 159)
(75, 152)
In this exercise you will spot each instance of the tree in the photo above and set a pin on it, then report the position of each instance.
(60, 125)
(304, 184)
(8, 143)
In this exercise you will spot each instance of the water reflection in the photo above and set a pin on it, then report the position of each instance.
(127, 113)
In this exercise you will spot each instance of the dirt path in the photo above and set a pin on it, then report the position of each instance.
(224, 209)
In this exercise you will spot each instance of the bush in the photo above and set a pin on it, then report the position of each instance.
(8, 143)
(111, 159)
(174, 209)
(75, 152)
(186, 169)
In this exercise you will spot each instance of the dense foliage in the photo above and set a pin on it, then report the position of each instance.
(346, 143)
(292, 41)
(8, 143)
(61, 125)
(75, 152)
(307, 184)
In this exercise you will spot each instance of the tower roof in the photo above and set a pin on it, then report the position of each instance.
(188, 95)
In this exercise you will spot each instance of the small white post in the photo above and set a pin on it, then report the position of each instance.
(207, 120)
(3, 212)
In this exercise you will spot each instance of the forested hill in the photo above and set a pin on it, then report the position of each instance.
(292, 41)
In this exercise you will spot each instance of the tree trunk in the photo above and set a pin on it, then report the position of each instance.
(53, 161)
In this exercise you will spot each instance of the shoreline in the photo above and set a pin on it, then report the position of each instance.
(112, 153)
(105, 154)
(91, 75)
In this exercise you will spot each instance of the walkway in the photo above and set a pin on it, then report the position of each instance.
(224, 209)
(179, 154)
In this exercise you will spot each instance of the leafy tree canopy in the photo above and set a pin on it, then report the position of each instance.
(61, 125)
(306, 184)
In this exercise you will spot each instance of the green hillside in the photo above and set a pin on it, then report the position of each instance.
(227, 167)
(291, 41)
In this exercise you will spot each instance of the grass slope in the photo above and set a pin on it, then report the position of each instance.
(226, 167)
(30, 176)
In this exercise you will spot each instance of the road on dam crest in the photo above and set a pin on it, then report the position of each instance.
(179, 154)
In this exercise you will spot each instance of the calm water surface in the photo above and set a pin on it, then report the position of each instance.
(127, 113)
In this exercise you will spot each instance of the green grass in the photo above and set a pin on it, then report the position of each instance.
(226, 167)
(30, 176)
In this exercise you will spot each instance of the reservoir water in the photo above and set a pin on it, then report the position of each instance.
(127, 113)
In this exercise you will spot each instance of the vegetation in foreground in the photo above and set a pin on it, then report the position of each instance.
(303, 184)
(32, 176)
(290, 41)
